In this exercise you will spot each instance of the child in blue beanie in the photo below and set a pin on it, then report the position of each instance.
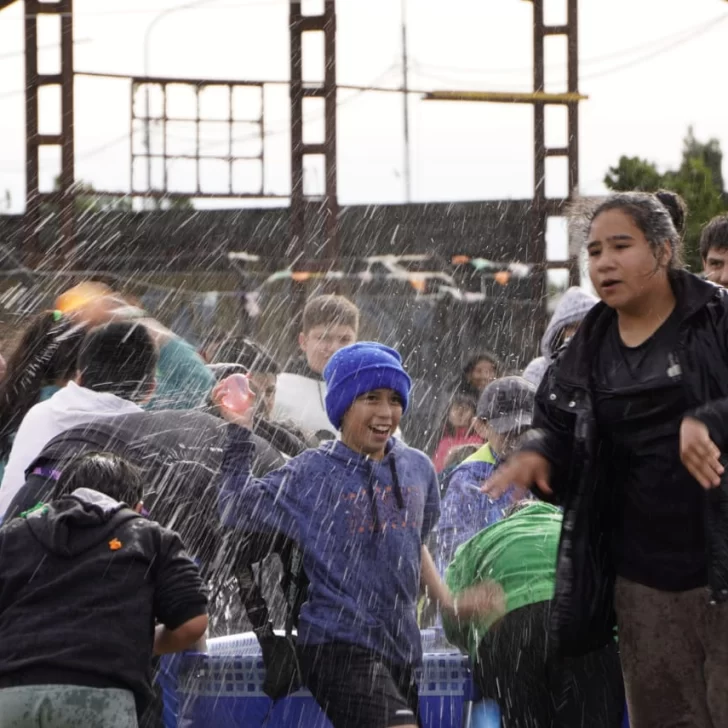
(359, 510)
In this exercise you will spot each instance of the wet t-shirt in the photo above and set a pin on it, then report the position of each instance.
(659, 537)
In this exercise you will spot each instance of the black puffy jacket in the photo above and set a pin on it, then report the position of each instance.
(565, 433)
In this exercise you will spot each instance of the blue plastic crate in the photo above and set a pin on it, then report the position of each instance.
(224, 688)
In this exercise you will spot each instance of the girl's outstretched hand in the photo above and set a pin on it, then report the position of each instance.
(522, 470)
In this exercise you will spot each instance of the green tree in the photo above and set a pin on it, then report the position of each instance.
(709, 152)
(695, 182)
(633, 173)
(89, 200)
(698, 180)
(174, 203)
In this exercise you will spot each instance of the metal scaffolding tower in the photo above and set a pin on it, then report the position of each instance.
(63, 196)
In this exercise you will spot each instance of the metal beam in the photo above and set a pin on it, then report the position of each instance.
(34, 140)
(505, 97)
(571, 98)
(300, 234)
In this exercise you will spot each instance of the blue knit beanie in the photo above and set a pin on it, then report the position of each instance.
(361, 368)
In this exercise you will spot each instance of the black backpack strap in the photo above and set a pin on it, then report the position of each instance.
(283, 672)
(254, 602)
(295, 591)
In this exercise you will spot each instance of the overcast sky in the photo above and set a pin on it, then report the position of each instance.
(649, 67)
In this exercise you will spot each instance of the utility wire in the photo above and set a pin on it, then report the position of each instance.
(699, 31)
(668, 39)
(17, 54)
(649, 56)
(154, 10)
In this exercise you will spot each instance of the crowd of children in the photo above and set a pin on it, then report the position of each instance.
(568, 526)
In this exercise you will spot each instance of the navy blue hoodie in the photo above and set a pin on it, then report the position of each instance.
(360, 524)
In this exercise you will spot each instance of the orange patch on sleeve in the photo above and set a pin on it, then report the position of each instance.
(115, 544)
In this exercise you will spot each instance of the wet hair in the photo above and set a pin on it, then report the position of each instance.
(104, 472)
(660, 216)
(119, 358)
(330, 310)
(46, 353)
(249, 354)
(714, 236)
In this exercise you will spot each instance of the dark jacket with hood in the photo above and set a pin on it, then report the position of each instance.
(179, 453)
(82, 582)
(565, 432)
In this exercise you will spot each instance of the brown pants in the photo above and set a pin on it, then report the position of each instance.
(674, 651)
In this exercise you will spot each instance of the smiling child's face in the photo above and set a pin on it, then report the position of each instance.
(370, 421)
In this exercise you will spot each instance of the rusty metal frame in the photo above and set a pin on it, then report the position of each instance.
(299, 234)
(543, 207)
(65, 195)
(142, 83)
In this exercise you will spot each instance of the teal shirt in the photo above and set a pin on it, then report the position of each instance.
(183, 380)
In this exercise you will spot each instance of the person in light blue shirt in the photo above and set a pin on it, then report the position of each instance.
(504, 411)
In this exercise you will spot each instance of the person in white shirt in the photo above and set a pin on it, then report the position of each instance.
(329, 323)
(116, 375)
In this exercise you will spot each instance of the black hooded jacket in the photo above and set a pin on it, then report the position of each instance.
(566, 434)
(82, 582)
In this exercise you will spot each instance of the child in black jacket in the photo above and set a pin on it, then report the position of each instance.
(83, 580)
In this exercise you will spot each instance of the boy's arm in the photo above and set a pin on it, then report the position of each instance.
(433, 586)
(183, 638)
(260, 510)
(180, 597)
(485, 599)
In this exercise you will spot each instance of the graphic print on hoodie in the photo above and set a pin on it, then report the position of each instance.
(571, 309)
(82, 581)
(360, 525)
(67, 408)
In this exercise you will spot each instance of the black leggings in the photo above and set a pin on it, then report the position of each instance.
(536, 689)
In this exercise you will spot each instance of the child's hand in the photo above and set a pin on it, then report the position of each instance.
(485, 600)
(234, 400)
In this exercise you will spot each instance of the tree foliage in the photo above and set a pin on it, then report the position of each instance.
(87, 199)
(699, 180)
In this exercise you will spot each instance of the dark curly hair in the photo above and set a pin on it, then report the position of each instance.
(46, 353)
